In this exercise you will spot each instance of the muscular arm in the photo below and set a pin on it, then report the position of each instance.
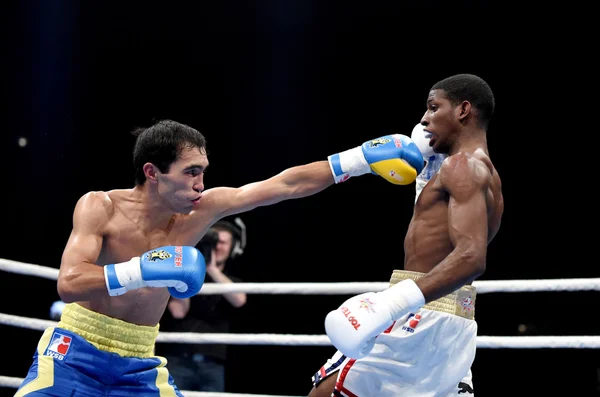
(296, 182)
(79, 278)
(466, 180)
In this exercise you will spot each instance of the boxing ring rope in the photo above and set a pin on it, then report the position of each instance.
(483, 286)
(321, 288)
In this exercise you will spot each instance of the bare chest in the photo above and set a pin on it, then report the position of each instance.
(125, 239)
(427, 238)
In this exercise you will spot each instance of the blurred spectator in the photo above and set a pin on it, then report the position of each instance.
(201, 367)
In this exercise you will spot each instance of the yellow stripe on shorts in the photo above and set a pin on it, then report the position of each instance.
(45, 370)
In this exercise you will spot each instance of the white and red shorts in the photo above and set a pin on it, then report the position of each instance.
(425, 354)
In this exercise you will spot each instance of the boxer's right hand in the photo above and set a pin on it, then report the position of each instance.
(179, 268)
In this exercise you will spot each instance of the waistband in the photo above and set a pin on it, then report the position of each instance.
(109, 334)
(460, 302)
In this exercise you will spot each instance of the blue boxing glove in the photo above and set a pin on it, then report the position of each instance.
(396, 158)
(179, 268)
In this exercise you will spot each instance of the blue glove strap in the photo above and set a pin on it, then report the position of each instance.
(111, 276)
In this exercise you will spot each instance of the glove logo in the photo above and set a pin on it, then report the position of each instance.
(396, 176)
(367, 305)
(178, 256)
(161, 255)
(379, 142)
(351, 319)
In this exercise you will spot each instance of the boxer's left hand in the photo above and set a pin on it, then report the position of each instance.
(395, 157)
(179, 268)
(353, 327)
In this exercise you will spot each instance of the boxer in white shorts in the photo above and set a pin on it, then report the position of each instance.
(417, 338)
(427, 353)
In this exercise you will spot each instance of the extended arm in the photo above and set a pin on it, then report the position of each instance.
(296, 182)
(396, 158)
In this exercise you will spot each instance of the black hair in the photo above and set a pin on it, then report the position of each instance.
(161, 144)
(469, 87)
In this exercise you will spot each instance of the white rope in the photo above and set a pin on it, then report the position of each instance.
(294, 288)
(244, 339)
(507, 342)
(28, 269)
(492, 342)
(25, 322)
(554, 285)
(340, 288)
(483, 286)
(9, 381)
(538, 342)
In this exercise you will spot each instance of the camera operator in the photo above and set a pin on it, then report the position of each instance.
(201, 367)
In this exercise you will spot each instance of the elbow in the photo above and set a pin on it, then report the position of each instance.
(66, 294)
(478, 269)
(65, 287)
(241, 300)
(475, 261)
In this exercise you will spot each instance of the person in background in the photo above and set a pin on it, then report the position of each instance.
(201, 367)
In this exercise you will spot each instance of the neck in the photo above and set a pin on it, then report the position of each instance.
(149, 209)
(470, 140)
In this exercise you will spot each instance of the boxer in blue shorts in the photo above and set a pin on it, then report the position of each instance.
(417, 338)
(74, 359)
(131, 249)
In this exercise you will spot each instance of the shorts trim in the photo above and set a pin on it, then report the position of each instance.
(109, 334)
(460, 302)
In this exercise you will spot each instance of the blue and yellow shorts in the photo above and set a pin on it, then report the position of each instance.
(90, 354)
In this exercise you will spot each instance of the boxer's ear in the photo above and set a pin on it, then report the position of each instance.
(150, 171)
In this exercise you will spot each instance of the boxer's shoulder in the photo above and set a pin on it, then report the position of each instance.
(465, 171)
(96, 206)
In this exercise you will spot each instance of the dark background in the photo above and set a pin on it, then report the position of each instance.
(274, 84)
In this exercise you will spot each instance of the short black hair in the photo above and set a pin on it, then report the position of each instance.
(161, 144)
(471, 88)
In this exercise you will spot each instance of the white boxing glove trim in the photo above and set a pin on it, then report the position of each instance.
(352, 163)
(404, 297)
(129, 275)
